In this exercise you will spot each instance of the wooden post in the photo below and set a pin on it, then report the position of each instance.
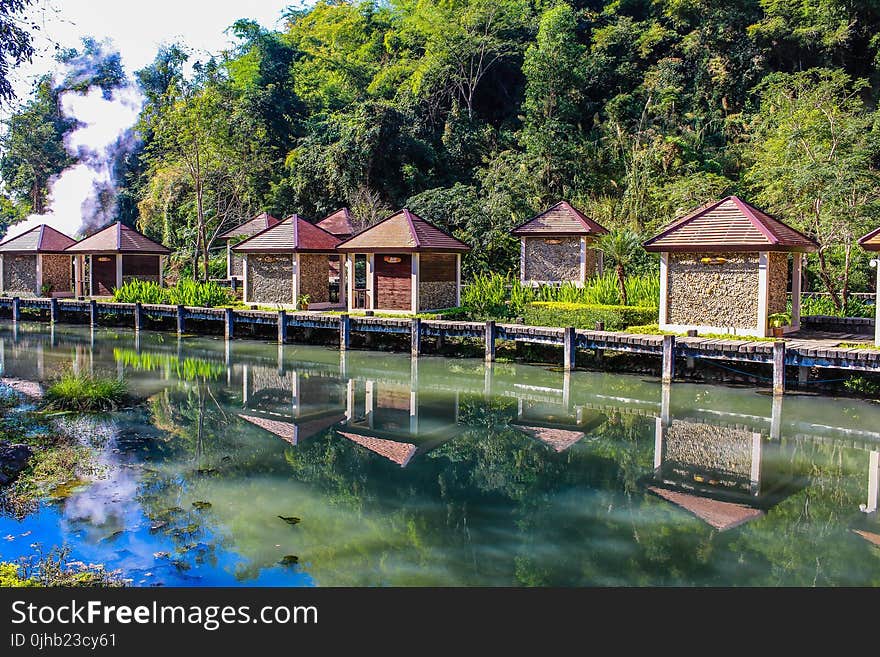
(803, 375)
(416, 337)
(344, 332)
(440, 340)
(599, 353)
(93, 313)
(181, 320)
(600, 326)
(569, 349)
(282, 327)
(490, 341)
(228, 324)
(692, 333)
(668, 358)
(16, 309)
(138, 316)
(779, 368)
(53, 310)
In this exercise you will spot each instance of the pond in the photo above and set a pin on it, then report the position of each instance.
(253, 464)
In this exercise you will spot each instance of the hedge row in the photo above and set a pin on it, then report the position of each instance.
(616, 318)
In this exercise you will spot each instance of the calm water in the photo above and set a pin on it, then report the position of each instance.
(443, 472)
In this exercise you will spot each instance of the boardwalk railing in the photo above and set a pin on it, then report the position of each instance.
(798, 353)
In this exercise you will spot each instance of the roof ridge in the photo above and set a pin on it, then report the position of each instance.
(747, 209)
(412, 227)
(295, 218)
(685, 220)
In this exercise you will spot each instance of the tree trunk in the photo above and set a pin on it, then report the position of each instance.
(621, 282)
(825, 276)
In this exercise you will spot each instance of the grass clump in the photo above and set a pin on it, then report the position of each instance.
(85, 393)
(585, 316)
(54, 569)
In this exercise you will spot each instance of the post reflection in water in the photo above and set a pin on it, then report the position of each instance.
(375, 469)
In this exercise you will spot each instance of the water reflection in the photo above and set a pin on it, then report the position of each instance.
(377, 469)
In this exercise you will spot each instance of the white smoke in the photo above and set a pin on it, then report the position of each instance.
(82, 197)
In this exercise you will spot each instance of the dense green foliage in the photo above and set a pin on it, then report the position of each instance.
(185, 292)
(585, 316)
(16, 45)
(479, 113)
(78, 392)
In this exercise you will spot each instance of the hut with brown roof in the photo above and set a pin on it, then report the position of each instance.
(113, 256)
(249, 228)
(724, 268)
(558, 246)
(286, 262)
(403, 264)
(871, 242)
(34, 264)
(338, 224)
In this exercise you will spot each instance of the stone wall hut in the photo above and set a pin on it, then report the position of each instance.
(403, 264)
(241, 232)
(35, 259)
(113, 256)
(724, 269)
(557, 246)
(339, 225)
(286, 261)
(871, 242)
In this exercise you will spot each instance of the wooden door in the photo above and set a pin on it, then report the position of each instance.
(392, 282)
(103, 275)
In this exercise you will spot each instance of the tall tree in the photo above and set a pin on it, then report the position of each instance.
(16, 46)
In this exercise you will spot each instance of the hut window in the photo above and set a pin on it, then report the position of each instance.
(391, 260)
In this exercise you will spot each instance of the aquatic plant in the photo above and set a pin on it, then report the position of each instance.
(85, 393)
(54, 568)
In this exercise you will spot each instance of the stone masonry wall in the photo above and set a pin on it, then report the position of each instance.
(270, 278)
(553, 262)
(237, 266)
(724, 296)
(56, 272)
(708, 446)
(20, 275)
(436, 295)
(777, 298)
(314, 277)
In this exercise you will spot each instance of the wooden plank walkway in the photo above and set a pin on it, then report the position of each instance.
(799, 351)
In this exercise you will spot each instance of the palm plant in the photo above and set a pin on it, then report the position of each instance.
(621, 248)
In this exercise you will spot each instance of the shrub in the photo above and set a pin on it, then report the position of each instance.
(855, 307)
(486, 295)
(616, 318)
(143, 291)
(186, 292)
(75, 392)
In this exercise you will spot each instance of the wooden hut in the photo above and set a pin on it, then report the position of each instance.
(557, 246)
(241, 232)
(403, 264)
(36, 260)
(286, 261)
(114, 255)
(724, 268)
(871, 242)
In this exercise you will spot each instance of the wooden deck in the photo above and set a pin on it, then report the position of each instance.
(820, 350)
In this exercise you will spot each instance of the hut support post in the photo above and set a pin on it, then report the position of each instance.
(876, 265)
(118, 270)
(873, 481)
(138, 316)
(1, 276)
(664, 289)
(457, 279)
(779, 368)
(763, 291)
(228, 324)
(668, 359)
(569, 349)
(282, 327)
(53, 310)
(796, 273)
(93, 313)
(244, 276)
(39, 289)
(344, 332)
(16, 309)
(416, 338)
(181, 320)
(490, 341)
(414, 281)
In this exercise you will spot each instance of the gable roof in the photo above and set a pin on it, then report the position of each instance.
(558, 439)
(721, 515)
(338, 224)
(250, 227)
(871, 241)
(403, 231)
(118, 238)
(293, 234)
(561, 219)
(39, 239)
(729, 225)
(397, 452)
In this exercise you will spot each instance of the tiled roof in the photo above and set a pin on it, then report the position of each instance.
(292, 234)
(338, 223)
(561, 219)
(251, 227)
(293, 432)
(871, 537)
(559, 439)
(730, 225)
(399, 453)
(39, 239)
(721, 515)
(871, 241)
(403, 231)
(118, 238)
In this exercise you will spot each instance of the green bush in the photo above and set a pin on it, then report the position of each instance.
(823, 305)
(186, 292)
(585, 316)
(76, 392)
